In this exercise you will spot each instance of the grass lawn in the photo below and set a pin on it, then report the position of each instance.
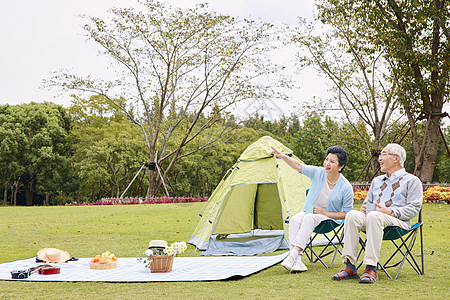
(85, 231)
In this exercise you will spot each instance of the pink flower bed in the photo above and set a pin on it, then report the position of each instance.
(359, 196)
(130, 201)
(437, 194)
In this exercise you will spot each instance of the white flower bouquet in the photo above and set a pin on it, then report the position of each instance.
(161, 260)
(175, 248)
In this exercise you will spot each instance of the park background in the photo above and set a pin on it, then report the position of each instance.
(189, 88)
(359, 74)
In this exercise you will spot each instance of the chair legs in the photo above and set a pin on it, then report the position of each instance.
(403, 248)
(314, 257)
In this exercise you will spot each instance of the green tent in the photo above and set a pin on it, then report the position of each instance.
(248, 212)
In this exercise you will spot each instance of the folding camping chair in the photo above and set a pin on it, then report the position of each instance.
(403, 247)
(326, 228)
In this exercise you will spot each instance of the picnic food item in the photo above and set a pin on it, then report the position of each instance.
(105, 261)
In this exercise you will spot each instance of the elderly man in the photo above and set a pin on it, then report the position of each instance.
(393, 200)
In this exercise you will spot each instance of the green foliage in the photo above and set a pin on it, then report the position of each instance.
(415, 37)
(178, 73)
(442, 170)
(109, 149)
(104, 150)
(283, 128)
(34, 145)
(317, 133)
(198, 174)
(309, 143)
(364, 81)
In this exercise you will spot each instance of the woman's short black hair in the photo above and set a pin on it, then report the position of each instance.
(340, 153)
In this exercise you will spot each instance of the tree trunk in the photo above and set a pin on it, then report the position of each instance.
(5, 194)
(15, 189)
(415, 137)
(28, 196)
(152, 183)
(29, 190)
(375, 164)
(47, 198)
(430, 150)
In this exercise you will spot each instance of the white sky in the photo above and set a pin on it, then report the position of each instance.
(42, 36)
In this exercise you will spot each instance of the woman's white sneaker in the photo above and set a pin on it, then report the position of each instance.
(298, 266)
(288, 262)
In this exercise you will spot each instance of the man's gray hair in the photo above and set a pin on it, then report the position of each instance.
(397, 150)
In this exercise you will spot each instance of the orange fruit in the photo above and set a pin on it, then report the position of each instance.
(103, 260)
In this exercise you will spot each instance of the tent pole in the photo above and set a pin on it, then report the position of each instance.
(209, 215)
(195, 223)
(232, 169)
(121, 196)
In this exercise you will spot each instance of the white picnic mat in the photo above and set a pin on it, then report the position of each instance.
(130, 270)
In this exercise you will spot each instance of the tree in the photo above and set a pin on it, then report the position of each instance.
(318, 132)
(7, 152)
(278, 128)
(311, 140)
(364, 80)
(33, 143)
(199, 174)
(174, 66)
(415, 35)
(442, 173)
(108, 148)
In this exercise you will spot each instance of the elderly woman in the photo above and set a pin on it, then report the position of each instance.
(331, 195)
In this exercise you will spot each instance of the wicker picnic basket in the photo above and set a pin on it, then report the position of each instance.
(97, 266)
(161, 263)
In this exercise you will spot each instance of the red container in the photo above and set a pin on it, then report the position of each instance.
(49, 271)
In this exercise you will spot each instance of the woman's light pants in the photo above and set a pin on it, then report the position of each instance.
(373, 224)
(301, 227)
